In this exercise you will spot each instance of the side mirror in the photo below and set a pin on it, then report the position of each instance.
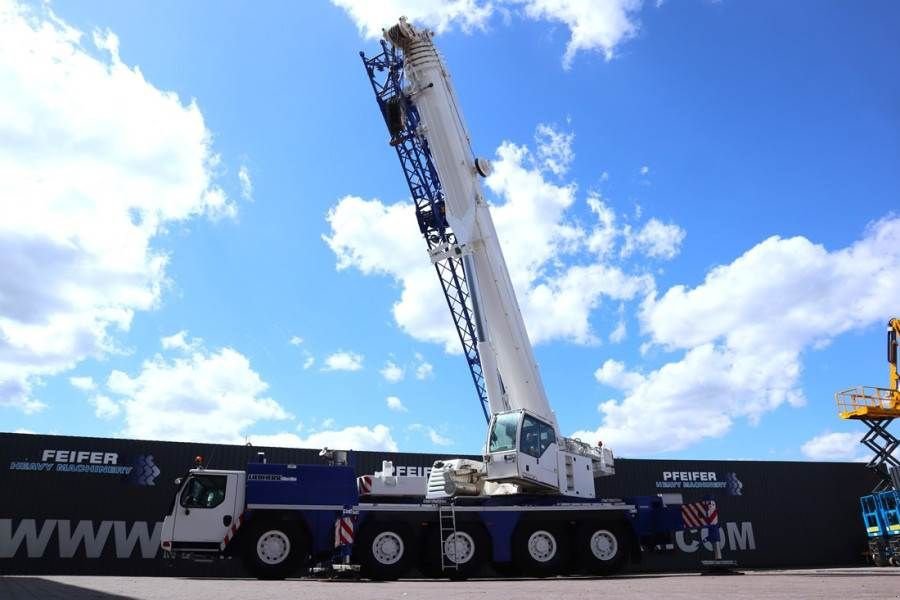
(177, 481)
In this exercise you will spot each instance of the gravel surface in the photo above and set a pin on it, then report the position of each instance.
(858, 583)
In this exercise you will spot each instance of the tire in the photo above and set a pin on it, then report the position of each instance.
(474, 550)
(601, 548)
(386, 550)
(540, 549)
(275, 550)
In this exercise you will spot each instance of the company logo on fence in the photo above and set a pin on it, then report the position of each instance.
(50, 538)
(708, 480)
(140, 471)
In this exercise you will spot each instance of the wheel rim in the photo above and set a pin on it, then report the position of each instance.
(604, 545)
(387, 548)
(459, 547)
(542, 546)
(273, 547)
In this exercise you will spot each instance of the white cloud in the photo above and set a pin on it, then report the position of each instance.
(603, 236)
(618, 334)
(594, 25)
(207, 396)
(105, 407)
(350, 438)
(295, 340)
(85, 384)
(645, 170)
(179, 341)
(95, 162)
(655, 239)
(343, 361)
(557, 287)
(392, 372)
(394, 404)
(328, 423)
(22, 430)
(613, 373)
(308, 362)
(743, 332)
(246, 183)
(436, 438)
(833, 446)
(554, 149)
(424, 369)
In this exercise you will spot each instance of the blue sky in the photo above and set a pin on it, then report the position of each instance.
(697, 201)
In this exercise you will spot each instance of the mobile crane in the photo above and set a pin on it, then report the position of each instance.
(530, 505)
(877, 408)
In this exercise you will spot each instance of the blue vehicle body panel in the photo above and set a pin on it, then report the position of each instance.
(889, 510)
(871, 516)
(301, 485)
(318, 494)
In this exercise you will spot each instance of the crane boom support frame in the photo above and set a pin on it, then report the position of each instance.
(385, 72)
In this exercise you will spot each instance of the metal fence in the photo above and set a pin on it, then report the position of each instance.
(77, 505)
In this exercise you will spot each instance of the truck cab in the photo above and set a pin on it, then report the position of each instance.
(279, 518)
(205, 505)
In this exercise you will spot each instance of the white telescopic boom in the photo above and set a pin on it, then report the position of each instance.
(506, 352)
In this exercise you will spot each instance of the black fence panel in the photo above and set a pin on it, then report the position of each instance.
(79, 505)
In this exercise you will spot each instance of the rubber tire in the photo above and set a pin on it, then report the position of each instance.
(369, 565)
(587, 562)
(530, 567)
(431, 563)
(879, 560)
(292, 565)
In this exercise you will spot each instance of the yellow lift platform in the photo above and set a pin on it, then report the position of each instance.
(877, 407)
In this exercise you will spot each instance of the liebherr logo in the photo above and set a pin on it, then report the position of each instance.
(90, 536)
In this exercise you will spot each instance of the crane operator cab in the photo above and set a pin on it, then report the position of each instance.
(526, 450)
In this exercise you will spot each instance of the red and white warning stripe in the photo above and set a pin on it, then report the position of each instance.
(232, 531)
(364, 484)
(343, 531)
(700, 514)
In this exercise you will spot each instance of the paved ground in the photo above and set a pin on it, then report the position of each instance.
(821, 583)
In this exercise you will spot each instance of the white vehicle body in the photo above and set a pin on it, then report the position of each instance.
(200, 518)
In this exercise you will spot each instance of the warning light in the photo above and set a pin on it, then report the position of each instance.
(599, 444)
(198, 461)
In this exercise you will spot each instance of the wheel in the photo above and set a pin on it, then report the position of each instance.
(601, 548)
(879, 559)
(540, 549)
(275, 550)
(386, 550)
(468, 549)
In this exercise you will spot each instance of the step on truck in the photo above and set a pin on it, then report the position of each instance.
(281, 520)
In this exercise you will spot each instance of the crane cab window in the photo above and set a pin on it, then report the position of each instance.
(204, 491)
(536, 437)
(503, 433)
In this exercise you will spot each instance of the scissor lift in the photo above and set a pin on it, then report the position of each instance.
(877, 408)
